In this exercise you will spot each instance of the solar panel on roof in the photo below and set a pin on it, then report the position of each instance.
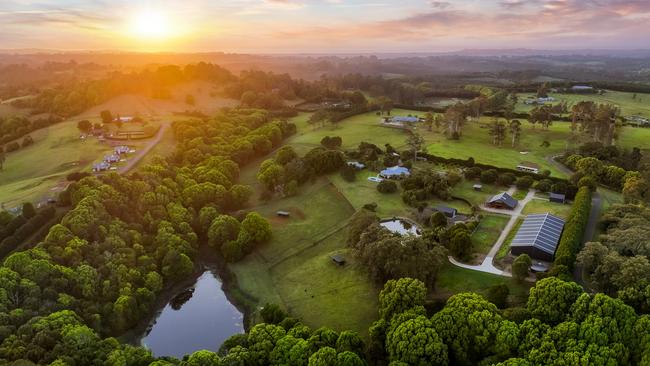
(541, 231)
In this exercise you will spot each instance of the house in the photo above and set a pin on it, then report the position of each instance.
(395, 172)
(100, 167)
(338, 259)
(447, 211)
(582, 89)
(119, 150)
(401, 121)
(356, 165)
(502, 201)
(638, 120)
(557, 198)
(477, 187)
(112, 158)
(538, 236)
(542, 100)
(528, 167)
(283, 213)
(123, 119)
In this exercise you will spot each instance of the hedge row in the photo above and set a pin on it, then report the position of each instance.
(574, 229)
(28, 228)
(468, 163)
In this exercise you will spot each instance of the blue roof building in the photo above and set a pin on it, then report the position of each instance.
(394, 172)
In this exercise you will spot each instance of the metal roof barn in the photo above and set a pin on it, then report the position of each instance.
(538, 236)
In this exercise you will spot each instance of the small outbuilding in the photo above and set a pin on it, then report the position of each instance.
(538, 237)
(283, 213)
(528, 167)
(502, 201)
(447, 211)
(477, 187)
(557, 198)
(338, 259)
(357, 165)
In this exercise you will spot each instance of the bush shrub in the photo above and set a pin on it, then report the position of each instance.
(524, 183)
(489, 176)
(387, 186)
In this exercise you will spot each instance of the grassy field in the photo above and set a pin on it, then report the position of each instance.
(537, 206)
(505, 247)
(477, 143)
(465, 189)
(625, 101)
(295, 269)
(454, 279)
(488, 231)
(31, 173)
(364, 127)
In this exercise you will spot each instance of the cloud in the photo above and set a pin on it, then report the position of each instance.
(440, 4)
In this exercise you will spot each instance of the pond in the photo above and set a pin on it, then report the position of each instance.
(400, 226)
(200, 317)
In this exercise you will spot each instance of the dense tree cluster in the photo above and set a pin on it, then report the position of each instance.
(287, 171)
(619, 264)
(14, 230)
(126, 238)
(15, 127)
(423, 185)
(386, 255)
(74, 96)
(563, 324)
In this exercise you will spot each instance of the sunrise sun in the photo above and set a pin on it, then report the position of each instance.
(151, 25)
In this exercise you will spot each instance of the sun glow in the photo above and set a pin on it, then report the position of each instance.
(151, 25)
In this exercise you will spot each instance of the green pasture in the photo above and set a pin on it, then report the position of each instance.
(295, 269)
(32, 172)
(625, 101)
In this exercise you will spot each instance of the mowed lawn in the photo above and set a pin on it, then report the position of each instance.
(488, 231)
(540, 206)
(465, 189)
(295, 269)
(452, 280)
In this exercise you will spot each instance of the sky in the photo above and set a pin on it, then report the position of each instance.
(323, 26)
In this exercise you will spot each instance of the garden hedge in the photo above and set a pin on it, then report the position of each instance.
(574, 229)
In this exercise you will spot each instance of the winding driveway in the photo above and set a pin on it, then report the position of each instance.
(135, 159)
(486, 265)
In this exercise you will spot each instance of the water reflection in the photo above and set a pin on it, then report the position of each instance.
(197, 318)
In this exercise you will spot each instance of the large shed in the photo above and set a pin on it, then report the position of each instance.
(502, 201)
(538, 236)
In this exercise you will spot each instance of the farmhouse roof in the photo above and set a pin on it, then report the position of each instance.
(405, 119)
(505, 198)
(395, 171)
(557, 196)
(541, 231)
(446, 210)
